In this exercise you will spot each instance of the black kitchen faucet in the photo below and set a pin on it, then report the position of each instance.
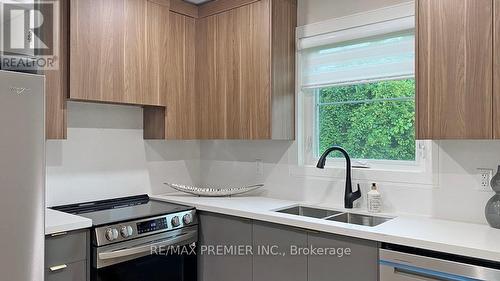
(349, 196)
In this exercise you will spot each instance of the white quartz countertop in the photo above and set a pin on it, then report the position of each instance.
(56, 222)
(466, 239)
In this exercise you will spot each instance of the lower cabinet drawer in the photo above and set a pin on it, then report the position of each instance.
(66, 248)
(72, 272)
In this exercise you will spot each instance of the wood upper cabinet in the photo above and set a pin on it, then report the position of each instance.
(213, 122)
(179, 119)
(222, 70)
(245, 64)
(57, 81)
(156, 66)
(181, 98)
(496, 69)
(117, 51)
(232, 73)
(455, 69)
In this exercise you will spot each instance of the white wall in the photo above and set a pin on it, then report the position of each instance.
(105, 156)
(455, 195)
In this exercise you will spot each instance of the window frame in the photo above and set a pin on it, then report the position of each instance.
(384, 21)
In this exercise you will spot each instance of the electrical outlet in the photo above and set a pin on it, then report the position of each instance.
(259, 168)
(485, 176)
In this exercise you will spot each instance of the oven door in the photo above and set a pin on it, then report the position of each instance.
(167, 256)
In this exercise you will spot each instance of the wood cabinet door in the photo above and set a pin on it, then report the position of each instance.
(118, 50)
(135, 51)
(182, 99)
(155, 64)
(248, 88)
(212, 104)
(454, 69)
(218, 231)
(57, 81)
(234, 73)
(496, 69)
(97, 49)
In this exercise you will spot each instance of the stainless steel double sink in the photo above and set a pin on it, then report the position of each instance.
(331, 215)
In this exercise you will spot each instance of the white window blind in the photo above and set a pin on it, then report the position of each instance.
(391, 56)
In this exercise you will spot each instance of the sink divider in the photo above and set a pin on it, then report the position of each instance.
(332, 216)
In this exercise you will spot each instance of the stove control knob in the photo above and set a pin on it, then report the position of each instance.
(126, 231)
(188, 218)
(175, 221)
(111, 234)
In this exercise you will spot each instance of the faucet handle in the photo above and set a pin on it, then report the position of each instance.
(357, 194)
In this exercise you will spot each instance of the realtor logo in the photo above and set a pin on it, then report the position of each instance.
(29, 34)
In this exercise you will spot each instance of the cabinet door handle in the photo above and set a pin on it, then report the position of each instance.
(58, 234)
(58, 267)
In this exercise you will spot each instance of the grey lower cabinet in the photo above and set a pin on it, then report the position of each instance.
(275, 253)
(273, 259)
(66, 256)
(73, 272)
(219, 235)
(361, 264)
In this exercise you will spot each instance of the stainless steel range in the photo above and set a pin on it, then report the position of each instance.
(137, 238)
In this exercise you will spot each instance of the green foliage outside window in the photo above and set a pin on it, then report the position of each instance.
(371, 121)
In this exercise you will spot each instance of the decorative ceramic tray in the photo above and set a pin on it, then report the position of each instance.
(213, 191)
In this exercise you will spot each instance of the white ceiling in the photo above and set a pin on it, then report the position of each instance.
(197, 2)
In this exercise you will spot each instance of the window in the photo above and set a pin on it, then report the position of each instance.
(360, 95)
(371, 120)
(356, 88)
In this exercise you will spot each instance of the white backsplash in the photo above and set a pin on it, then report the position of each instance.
(105, 156)
(455, 197)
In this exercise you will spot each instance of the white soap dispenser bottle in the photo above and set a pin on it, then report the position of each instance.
(374, 199)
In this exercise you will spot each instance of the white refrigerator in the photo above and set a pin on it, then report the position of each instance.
(22, 176)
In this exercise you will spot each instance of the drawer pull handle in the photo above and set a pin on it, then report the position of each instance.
(59, 234)
(58, 267)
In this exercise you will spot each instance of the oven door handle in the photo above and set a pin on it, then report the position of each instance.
(182, 239)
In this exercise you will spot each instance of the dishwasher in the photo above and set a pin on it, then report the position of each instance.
(399, 263)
